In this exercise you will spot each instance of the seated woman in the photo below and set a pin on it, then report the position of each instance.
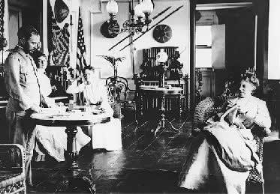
(51, 140)
(45, 84)
(105, 135)
(222, 155)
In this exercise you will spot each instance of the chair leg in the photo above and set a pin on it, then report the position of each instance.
(262, 183)
(263, 188)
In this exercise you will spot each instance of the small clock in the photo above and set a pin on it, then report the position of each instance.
(162, 33)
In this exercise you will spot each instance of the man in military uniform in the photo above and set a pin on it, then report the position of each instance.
(24, 92)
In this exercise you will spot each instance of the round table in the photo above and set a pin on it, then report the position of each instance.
(162, 92)
(70, 120)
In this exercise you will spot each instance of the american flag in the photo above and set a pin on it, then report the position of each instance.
(59, 41)
(81, 48)
(2, 13)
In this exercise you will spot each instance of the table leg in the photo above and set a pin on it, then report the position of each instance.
(141, 108)
(180, 106)
(71, 153)
(162, 121)
(139, 105)
(75, 182)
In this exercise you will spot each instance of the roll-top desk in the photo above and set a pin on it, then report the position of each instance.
(149, 102)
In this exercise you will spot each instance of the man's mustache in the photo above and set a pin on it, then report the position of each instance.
(34, 50)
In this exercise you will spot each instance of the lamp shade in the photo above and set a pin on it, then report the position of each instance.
(162, 56)
(112, 7)
(147, 6)
(138, 11)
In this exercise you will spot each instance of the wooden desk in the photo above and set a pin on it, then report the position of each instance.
(153, 98)
(70, 120)
(160, 93)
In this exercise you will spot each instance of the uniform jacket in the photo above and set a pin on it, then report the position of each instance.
(21, 81)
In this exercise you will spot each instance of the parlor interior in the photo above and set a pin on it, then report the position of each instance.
(156, 134)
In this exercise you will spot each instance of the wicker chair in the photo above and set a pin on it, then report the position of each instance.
(117, 86)
(12, 164)
(208, 108)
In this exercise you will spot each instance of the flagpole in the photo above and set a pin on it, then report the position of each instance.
(71, 35)
(72, 63)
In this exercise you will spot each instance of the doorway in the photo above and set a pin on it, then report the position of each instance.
(28, 12)
(225, 45)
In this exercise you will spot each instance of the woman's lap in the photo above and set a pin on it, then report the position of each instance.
(53, 140)
(204, 165)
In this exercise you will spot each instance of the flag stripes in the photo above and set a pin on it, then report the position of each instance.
(59, 41)
(81, 48)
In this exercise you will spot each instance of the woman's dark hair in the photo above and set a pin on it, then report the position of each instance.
(36, 55)
(88, 68)
(26, 32)
(250, 76)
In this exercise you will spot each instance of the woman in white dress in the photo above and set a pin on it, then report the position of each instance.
(224, 153)
(105, 135)
(52, 140)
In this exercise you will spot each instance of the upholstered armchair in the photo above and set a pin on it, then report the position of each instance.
(12, 169)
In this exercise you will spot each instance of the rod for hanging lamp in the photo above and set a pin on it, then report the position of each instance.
(153, 26)
(155, 17)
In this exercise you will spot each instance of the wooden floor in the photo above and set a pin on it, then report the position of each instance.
(147, 163)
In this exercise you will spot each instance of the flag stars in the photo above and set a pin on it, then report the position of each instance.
(81, 49)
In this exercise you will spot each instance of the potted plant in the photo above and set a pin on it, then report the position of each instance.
(115, 84)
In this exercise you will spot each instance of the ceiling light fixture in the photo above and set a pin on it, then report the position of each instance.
(139, 15)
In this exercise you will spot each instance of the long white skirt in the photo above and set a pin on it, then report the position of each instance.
(107, 135)
(219, 162)
(203, 165)
(53, 140)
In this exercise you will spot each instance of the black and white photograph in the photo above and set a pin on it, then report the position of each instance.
(139, 97)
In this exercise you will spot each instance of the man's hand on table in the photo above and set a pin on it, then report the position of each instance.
(50, 103)
(35, 108)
